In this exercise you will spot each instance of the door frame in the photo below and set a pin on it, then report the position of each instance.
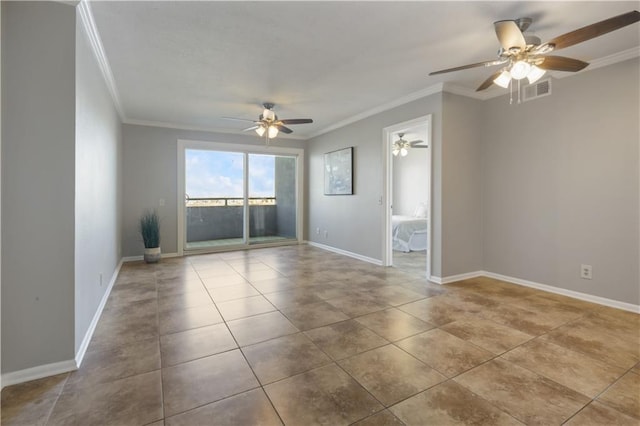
(387, 197)
(184, 144)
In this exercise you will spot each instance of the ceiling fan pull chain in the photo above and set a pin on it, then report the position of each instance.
(518, 91)
(511, 92)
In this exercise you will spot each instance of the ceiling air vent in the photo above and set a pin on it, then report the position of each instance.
(537, 90)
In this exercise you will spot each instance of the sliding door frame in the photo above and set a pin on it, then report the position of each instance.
(298, 153)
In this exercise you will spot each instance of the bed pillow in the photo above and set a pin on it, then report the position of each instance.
(421, 210)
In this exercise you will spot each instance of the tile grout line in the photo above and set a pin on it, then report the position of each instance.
(53, 406)
(260, 385)
(162, 385)
(584, 314)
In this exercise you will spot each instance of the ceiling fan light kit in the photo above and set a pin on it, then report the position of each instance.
(535, 74)
(520, 70)
(273, 132)
(400, 150)
(503, 79)
(526, 55)
(268, 123)
(401, 146)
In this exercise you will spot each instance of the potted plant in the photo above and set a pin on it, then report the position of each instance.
(150, 231)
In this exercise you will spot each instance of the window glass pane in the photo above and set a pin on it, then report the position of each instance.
(214, 198)
(272, 198)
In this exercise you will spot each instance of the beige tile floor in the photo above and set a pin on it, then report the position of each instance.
(301, 336)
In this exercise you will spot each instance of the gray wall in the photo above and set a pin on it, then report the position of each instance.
(0, 201)
(529, 191)
(38, 163)
(285, 192)
(354, 222)
(98, 186)
(560, 184)
(149, 170)
(410, 181)
(461, 185)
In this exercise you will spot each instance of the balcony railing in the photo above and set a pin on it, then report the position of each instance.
(228, 201)
(222, 218)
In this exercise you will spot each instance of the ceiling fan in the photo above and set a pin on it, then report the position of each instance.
(268, 122)
(402, 146)
(524, 56)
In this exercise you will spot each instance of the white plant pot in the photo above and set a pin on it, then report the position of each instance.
(152, 255)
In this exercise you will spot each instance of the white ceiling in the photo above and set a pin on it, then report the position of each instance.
(187, 64)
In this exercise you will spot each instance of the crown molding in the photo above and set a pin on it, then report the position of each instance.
(95, 41)
(614, 58)
(436, 88)
(86, 16)
(178, 126)
(470, 93)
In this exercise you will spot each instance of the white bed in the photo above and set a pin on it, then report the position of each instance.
(409, 233)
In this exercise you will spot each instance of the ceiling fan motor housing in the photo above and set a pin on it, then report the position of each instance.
(523, 23)
(268, 113)
(532, 40)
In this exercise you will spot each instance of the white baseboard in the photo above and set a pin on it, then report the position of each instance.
(38, 372)
(41, 371)
(96, 317)
(137, 258)
(564, 292)
(454, 278)
(346, 253)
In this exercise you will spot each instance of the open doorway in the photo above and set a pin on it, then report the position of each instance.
(408, 196)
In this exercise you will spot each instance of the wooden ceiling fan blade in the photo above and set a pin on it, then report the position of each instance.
(595, 30)
(488, 82)
(509, 35)
(238, 119)
(250, 128)
(415, 143)
(284, 129)
(465, 67)
(296, 121)
(560, 63)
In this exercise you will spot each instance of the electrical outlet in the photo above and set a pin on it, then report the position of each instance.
(161, 202)
(317, 231)
(586, 272)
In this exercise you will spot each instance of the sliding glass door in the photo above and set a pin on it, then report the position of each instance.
(214, 198)
(272, 198)
(238, 199)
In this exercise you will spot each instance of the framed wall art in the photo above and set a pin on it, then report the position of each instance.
(338, 172)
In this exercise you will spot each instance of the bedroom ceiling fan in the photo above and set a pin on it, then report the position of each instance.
(269, 125)
(524, 56)
(402, 146)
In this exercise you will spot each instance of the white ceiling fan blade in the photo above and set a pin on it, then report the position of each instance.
(509, 35)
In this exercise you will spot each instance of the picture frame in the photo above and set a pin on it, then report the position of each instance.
(338, 172)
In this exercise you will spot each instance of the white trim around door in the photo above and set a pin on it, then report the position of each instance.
(387, 198)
